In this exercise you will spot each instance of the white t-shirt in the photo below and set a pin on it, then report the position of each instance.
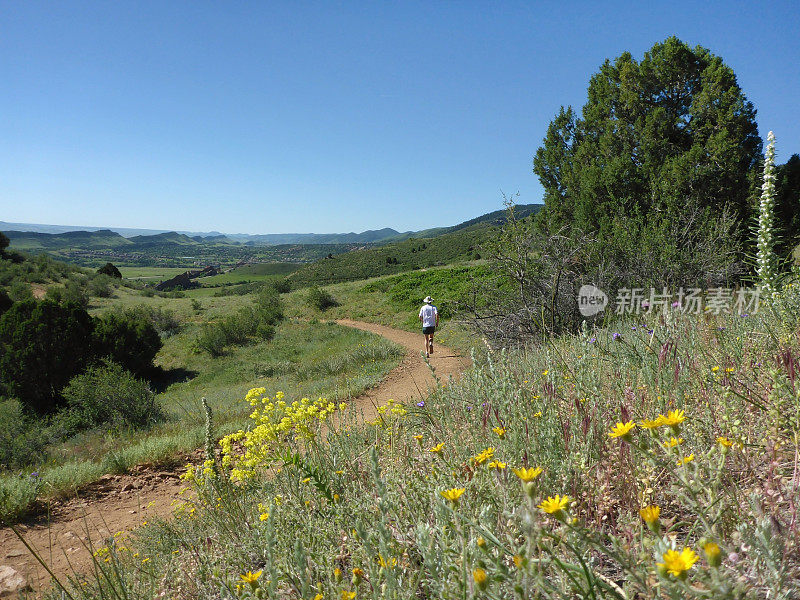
(428, 315)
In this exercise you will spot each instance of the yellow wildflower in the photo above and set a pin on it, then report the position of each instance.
(453, 494)
(622, 430)
(528, 474)
(724, 442)
(538, 415)
(437, 449)
(500, 431)
(496, 464)
(358, 575)
(650, 514)
(672, 442)
(674, 418)
(555, 506)
(484, 455)
(348, 595)
(481, 578)
(263, 516)
(648, 424)
(677, 563)
(686, 460)
(251, 577)
(713, 554)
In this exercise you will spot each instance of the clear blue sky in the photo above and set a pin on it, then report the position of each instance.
(273, 117)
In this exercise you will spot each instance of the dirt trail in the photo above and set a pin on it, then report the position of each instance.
(123, 502)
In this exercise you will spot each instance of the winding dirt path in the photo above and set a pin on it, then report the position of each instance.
(123, 502)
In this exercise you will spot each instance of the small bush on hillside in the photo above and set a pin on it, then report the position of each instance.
(282, 285)
(72, 292)
(257, 321)
(22, 440)
(21, 291)
(320, 299)
(128, 338)
(108, 394)
(164, 320)
(101, 286)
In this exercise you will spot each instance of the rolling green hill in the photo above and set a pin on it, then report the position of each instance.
(432, 247)
(456, 247)
(26, 240)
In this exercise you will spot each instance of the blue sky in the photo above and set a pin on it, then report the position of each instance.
(274, 117)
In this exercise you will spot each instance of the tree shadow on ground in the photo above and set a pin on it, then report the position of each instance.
(161, 379)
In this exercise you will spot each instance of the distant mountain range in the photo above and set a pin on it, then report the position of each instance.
(47, 237)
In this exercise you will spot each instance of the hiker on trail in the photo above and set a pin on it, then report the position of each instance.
(430, 320)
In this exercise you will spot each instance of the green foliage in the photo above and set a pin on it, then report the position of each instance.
(101, 286)
(408, 255)
(109, 394)
(787, 206)
(451, 288)
(128, 338)
(23, 439)
(44, 345)
(320, 299)
(73, 292)
(5, 302)
(368, 496)
(239, 328)
(658, 138)
(4, 242)
(110, 270)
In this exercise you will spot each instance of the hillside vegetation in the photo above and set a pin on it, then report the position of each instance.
(459, 246)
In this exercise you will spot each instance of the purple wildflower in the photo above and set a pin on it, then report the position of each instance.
(421, 404)
(616, 336)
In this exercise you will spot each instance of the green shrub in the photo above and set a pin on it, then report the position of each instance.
(5, 302)
(44, 344)
(128, 338)
(18, 494)
(101, 286)
(21, 291)
(22, 440)
(248, 322)
(108, 394)
(282, 285)
(212, 340)
(320, 299)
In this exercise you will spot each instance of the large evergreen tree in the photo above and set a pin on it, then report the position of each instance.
(657, 138)
(787, 205)
(42, 346)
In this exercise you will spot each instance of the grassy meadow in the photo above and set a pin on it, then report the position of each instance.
(655, 458)
(304, 358)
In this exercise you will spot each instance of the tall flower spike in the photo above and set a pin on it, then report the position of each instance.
(765, 257)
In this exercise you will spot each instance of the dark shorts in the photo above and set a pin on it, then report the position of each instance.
(428, 330)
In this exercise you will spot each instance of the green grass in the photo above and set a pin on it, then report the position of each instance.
(304, 358)
(395, 301)
(151, 274)
(250, 273)
(369, 496)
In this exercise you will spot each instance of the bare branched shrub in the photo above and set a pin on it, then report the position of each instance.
(538, 272)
